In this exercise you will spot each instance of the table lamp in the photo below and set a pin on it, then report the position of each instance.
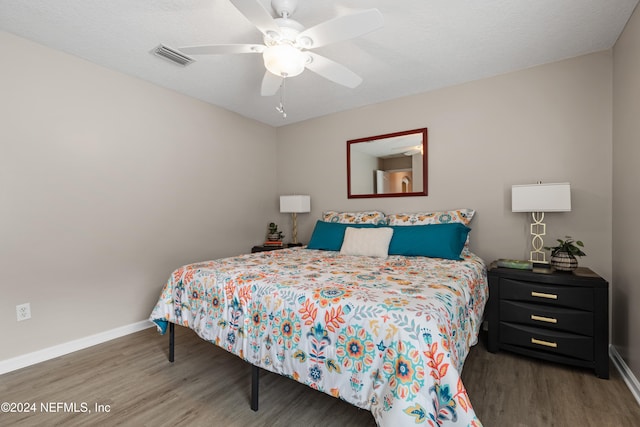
(538, 199)
(295, 205)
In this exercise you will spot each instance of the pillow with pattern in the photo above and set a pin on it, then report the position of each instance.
(366, 217)
(463, 216)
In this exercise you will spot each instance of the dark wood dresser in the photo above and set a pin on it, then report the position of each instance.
(556, 316)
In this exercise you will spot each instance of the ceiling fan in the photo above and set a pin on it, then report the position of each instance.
(286, 42)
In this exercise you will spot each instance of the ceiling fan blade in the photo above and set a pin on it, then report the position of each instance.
(343, 28)
(270, 84)
(221, 49)
(257, 15)
(333, 71)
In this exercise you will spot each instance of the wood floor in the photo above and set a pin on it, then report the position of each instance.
(133, 384)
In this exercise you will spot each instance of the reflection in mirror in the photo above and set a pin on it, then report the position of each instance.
(391, 165)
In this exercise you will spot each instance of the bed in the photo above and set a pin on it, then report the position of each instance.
(388, 334)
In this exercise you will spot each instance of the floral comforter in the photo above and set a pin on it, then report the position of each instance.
(387, 335)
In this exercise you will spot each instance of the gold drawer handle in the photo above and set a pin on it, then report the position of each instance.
(544, 343)
(544, 319)
(543, 295)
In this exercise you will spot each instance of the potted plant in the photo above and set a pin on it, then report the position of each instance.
(563, 255)
(274, 234)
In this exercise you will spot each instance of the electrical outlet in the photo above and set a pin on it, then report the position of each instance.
(23, 311)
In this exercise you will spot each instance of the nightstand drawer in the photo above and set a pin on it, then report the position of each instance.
(565, 296)
(556, 318)
(555, 342)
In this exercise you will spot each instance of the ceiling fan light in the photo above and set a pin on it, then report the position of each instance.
(284, 60)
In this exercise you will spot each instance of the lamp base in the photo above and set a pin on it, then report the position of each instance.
(536, 260)
(538, 229)
(294, 236)
(541, 267)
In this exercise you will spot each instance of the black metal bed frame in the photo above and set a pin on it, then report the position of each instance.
(255, 370)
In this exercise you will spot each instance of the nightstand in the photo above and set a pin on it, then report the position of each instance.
(556, 316)
(273, 248)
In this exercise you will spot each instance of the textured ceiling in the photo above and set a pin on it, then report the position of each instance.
(424, 44)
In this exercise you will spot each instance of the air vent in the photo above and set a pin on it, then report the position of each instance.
(172, 55)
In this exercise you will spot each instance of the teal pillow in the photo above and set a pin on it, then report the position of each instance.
(328, 236)
(432, 240)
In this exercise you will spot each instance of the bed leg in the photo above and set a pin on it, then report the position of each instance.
(171, 341)
(255, 379)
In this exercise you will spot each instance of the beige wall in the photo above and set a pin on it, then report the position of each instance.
(107, 184)
(549, 123)
(626, 194)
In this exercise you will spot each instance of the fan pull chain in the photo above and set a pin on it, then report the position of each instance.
(280, 108)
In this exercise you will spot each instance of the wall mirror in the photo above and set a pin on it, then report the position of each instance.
(391, 165)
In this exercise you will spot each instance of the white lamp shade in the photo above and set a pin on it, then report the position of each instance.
(284, 60)
(295, 204)
(541, 197)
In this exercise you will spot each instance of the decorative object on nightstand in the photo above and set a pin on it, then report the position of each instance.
(274, 236)
(563, 255)
(295, 205)
(514, 263)
(538, 199)
(550, 315)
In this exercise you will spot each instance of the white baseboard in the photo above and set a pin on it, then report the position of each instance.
(627, 375)
(29, 359)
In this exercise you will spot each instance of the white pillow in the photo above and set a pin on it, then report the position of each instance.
(367, 241)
